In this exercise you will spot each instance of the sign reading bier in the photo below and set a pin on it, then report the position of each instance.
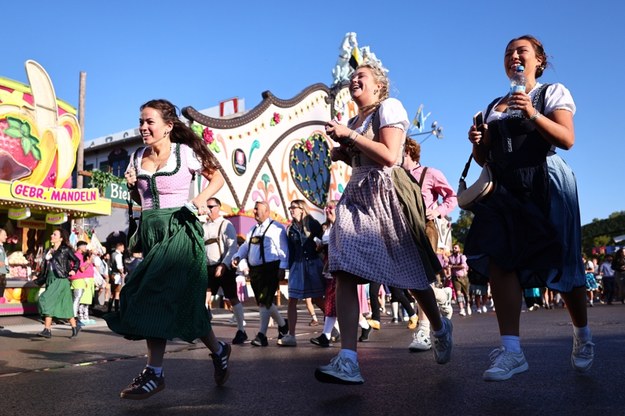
(58, 196)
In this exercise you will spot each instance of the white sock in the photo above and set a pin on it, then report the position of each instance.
(349, 354)
(328, 325)
(264, 319)
(512, 343)
(395, 309)
(275, 314)
(424, 324)
(363, 322)
(238, 312)
(157, 370)
(583, 334)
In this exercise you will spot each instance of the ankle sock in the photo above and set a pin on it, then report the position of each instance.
(583, 334)
(349, 354)
(157, 370)
(512, 343)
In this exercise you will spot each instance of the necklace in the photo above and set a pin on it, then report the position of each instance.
(368, 121)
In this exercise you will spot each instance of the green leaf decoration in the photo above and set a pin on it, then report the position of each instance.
(25, 129)
(36, 152)
(14, 122)
(26, 145)
(13, 132)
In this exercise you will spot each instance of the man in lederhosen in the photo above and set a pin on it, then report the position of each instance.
(266, 251)
(220, 242)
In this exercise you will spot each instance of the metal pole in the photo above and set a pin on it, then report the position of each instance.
(80, 157)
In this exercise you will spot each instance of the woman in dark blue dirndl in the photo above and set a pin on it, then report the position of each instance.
(527, 232)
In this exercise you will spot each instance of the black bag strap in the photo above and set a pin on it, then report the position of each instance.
(134, 164)
(466, 168)
(422, 178)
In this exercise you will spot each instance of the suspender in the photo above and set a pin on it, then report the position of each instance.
(261, 241)
(217, 240)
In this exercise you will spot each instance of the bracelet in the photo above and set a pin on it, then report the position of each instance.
(535, 116)
(352, 136)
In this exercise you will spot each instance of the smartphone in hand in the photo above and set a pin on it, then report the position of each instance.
(478, 119)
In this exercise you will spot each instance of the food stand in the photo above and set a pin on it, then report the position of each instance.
(39, 138)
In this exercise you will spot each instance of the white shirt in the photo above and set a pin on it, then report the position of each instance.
(557, 97)
(275, 244)
(226, 245)
(119, 262)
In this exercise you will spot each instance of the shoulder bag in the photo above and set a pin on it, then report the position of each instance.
(467, 196)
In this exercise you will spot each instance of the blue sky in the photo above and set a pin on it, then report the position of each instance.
(447, 55)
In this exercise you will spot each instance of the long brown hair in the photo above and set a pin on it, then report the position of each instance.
(181, 133)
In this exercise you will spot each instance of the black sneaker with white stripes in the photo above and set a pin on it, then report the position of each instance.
(220, 361)
(144, 386)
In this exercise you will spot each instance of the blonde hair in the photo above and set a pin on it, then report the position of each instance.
(301, 204)
(380, 77)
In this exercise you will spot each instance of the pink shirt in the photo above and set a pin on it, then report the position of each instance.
(88, 266)
(169, 186)
(435, 186)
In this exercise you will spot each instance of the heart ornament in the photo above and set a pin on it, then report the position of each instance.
(310, 163)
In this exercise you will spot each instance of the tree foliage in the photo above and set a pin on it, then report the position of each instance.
(602, 232)
(460, 228)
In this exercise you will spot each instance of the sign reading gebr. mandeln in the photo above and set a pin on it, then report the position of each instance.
(35, 193)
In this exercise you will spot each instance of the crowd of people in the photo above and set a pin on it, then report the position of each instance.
(383, 242)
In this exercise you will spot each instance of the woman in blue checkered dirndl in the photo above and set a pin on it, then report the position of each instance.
(379, 232)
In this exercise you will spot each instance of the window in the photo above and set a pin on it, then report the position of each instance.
(118, 161)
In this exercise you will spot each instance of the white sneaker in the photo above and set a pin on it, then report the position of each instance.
(462, 312)
(443, 344)
(505, 364)
(340, 371)
(484, 309)
(287, 341)
(420, 342)
(469, 310)
(582, 355)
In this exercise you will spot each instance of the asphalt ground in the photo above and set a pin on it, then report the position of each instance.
(61, 376)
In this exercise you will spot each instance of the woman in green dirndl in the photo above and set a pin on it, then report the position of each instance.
(163, 297)
(56, 301)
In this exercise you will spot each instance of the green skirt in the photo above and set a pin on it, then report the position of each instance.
(164, 296)
(56, 300)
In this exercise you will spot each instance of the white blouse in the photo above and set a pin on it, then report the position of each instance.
(391, 113)
(186, 152)
(557, 97)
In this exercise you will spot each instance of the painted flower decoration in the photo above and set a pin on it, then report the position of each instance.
(207, 135)
(309, 145)
(276, 119)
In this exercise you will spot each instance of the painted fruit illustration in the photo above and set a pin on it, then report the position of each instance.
(38, 139)
(20, 148)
